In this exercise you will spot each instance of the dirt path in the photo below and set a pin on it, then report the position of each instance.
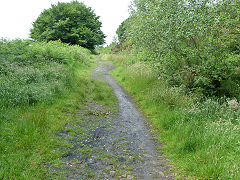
(116, 145)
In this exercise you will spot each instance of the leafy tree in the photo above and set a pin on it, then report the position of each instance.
(122, 31)
(194, 43)
(72, 23)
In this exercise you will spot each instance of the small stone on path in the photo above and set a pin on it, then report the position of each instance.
(112, 173)
(130, 177)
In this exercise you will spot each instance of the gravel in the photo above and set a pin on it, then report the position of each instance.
(112, 144)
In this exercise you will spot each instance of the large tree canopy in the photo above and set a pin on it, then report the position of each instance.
(72, 23)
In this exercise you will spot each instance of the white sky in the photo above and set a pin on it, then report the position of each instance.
(16, 16)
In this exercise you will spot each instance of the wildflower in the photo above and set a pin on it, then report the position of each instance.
(233, 104)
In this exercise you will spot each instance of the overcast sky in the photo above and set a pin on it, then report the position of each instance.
(16, 16)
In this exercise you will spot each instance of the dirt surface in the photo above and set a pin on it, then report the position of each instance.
(111, 142)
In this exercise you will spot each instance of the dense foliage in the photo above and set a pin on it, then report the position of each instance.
(194, 43)
(72, 23)
(122, 31)
(33, 72)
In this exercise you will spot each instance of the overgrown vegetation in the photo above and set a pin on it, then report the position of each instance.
(201, 137)
(193, 43)
(39, 83)
(36, 72)
(180, 61)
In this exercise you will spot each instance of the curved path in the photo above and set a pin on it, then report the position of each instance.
(110, 144)
(132, 125)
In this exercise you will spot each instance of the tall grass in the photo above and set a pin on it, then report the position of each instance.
(33, 72)
(201, 136)
(39, 82)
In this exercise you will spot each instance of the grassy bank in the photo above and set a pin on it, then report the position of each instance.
(39, 83)
(201, 137)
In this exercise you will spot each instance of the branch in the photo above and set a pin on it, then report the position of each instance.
(196, 47)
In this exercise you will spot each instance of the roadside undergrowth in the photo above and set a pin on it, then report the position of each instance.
(201, 137)
(30, 141)
(40, 84)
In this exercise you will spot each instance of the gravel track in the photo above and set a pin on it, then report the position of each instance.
(133, 125)
(110, 144)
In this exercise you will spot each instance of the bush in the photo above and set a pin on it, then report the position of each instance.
(72, 23)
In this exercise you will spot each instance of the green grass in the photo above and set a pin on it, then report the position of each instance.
(29, 140)
(201, 137)
(28, 137)
(32, 72)
(41, 83)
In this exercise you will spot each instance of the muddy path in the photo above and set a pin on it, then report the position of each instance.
(133, 125)
(111, 142)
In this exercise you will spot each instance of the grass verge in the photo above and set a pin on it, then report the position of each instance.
(40, 84)
(200, 137)
(29, 140)
(28, 134)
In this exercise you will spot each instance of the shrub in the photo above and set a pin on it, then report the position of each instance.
(72, 23)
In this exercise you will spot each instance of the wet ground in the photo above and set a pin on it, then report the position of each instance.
(111, 142)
